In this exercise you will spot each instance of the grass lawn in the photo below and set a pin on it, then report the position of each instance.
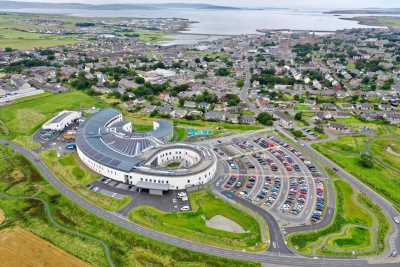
(355, 124)
(153, 37)
(302, 107)
(384, 176)
(19, 178)
(218, 128)
(26, 115)
(26, 40)
(142, 127)
(191, 225)
(180, 134)
(211, 55)
(75, 175)
(358, 225)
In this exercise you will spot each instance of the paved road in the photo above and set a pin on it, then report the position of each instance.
(244, 93)
(266, 258)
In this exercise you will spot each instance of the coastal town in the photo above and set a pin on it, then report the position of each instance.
(132, 142)
(233, 79)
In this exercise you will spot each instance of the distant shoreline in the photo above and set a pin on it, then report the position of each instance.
(374, 11)
(392, 22)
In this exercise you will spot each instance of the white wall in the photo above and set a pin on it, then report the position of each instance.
(174, 182)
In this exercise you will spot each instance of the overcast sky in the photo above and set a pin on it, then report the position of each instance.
(255, 3)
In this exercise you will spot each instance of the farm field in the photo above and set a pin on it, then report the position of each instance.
(14, 34)
(192, 225)
(75, 175)
(359, 225)
(26, 115)
(384, 175)
(128, 249)
(382, 21)
(16, 249)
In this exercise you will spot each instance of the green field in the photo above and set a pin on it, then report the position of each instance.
(76, 176)
(382, 21)
(384, 176)
(25, 116)
(191, 225)
(19, 178)
(358, 225)
(219, 128)
(212, 55)
(153, 37)
(179, 134)
(14, 32)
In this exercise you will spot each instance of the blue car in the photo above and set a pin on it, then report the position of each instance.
(70, 146)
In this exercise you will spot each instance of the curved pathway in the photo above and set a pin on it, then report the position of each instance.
(266, 258)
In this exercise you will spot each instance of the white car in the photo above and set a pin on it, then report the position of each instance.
(185, 208)
(181, 194)
(397, 219)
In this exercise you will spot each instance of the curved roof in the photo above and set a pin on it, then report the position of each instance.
(103, 139)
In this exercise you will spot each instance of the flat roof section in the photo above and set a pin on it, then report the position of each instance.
(60, 117)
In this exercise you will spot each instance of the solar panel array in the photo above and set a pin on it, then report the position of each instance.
(127, 146)
(83, 146)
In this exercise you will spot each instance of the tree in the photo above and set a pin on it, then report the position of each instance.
(240, 83)
(139, 80)
(298, 116)
(265, 118)
(82, 83)
(319, 129)
(366, 160)
(222, 72)
(8, 49)
(232, 100)
(297, 133)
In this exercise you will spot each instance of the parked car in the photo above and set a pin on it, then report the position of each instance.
(185, 208)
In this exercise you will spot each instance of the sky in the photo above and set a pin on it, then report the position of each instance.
(342, 4)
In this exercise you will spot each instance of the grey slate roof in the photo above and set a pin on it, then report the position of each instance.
(96, 141)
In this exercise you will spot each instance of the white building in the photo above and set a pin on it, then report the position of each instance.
(107, 146)
(62, 120)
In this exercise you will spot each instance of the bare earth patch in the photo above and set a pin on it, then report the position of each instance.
(21, 248)
(222, 223)
(2, 216)
(391, 151)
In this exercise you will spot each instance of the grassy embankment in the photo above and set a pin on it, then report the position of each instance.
(22, 119)
(75, 175)
(19, 178)
(358, 227)
(192, 226)
(384, 175)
